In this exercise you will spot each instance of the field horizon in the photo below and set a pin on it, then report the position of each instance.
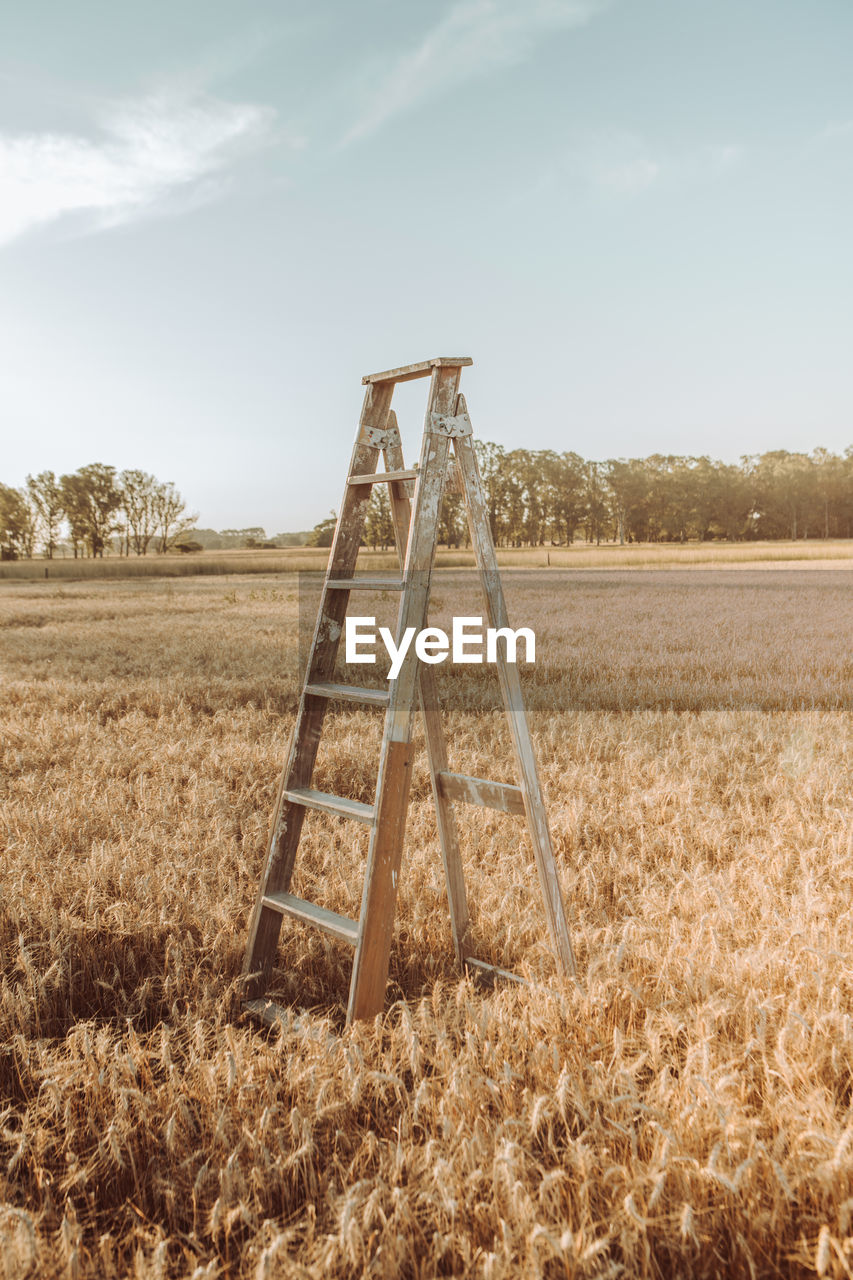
(833, 553)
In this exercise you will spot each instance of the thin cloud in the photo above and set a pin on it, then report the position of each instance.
(626, 165)
(147, 152)
(473, 38)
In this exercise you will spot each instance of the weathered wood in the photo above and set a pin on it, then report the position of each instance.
(379, 900)
(490, 973)
(364, 582)
(287, 819)
(311, 913)
(267, 1012)
(349, 693)
(436, 746)
(340, 806)
(416, 537)
(383, 477)
(423, 369)
(534, 804)
(481, 791)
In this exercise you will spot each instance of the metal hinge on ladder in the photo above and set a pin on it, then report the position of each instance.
(455, 426)
(416, 532)
(387, 437)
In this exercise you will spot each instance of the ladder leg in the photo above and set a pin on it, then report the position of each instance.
(286, 825)
(376, 922)
(534, 805)
(436, 745)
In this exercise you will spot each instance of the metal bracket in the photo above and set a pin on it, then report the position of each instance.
(380, 437)
(446, 424)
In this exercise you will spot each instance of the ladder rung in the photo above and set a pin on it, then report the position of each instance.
(340, 805)
(378, 477)
(365, 583)
(481, 791)
(490, 973)
(310, 913)
(267, 1012)
(349, 693)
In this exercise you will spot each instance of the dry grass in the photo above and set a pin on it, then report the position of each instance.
(690, 1112)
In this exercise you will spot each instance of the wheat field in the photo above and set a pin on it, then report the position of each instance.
(687, 1110)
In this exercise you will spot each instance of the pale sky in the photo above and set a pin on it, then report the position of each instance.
(215, 217)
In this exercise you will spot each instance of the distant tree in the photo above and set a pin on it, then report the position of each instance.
(74, 503)
(290, 539)
(491, 462)
(452, 525)
(597, 514)
(829, 471)
(91, 499)
(564, 495)
(171, 518)
(733, 507)
(323, 533)
(705, 496)
(17, 527)
(45, 494)
(627, 481)
(378, 525)
(256, 537)
(250, 536)
(138, 491)
(784, 491)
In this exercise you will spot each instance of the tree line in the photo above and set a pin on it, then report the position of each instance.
(541, 497)
(535, 498)
(93, 508)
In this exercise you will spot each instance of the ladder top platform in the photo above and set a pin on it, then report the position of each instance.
(422, 369)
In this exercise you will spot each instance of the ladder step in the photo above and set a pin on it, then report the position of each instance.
(339, 805)
(267, 1012)
(310, 913)
(490, 973)
(481, 791)
(422, 369)
(379, 476)
(366, 582)
(349, 693)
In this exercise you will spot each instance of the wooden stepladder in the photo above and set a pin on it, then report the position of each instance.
(415, 503)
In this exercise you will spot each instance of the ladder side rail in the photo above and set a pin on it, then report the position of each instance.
(510, 682)
(436, 744)
(287, 819)
(379, 897)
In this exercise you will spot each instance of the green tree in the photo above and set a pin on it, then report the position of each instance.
(138, 491)
(627, 481)
(565, 501)
(379, 525)
(91, 499)
(784, 493)
(323, 533)
(829, 473)
(171, 518)
(17, 528)
(491, 460)
(598, 511)
(452, 526)
(45, 493)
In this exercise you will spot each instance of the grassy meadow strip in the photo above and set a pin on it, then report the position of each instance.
(837, 554)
